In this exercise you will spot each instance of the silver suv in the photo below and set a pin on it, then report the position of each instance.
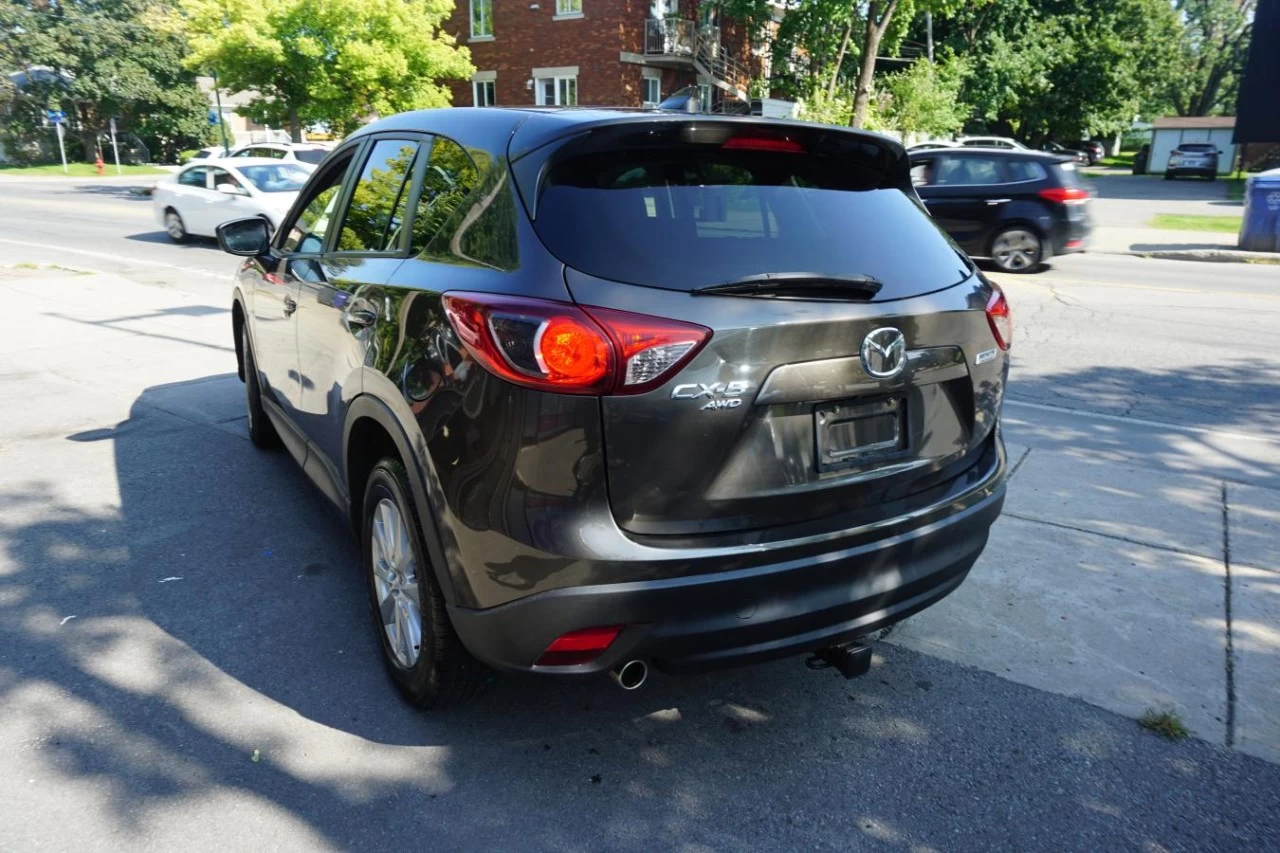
(1193, 158)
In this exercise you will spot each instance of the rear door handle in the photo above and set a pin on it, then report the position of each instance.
(998, 200)
(289, 306)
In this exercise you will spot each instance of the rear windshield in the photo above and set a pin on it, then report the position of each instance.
(1196, 146)
(689, 217)
(310, 155)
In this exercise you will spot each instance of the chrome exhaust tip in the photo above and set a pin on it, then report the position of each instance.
(630, 675)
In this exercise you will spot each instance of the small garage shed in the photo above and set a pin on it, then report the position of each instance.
(1167, 132)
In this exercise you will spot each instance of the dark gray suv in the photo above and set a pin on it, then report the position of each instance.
(600, 390)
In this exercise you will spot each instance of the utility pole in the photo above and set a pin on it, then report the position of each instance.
(928, 33)
(217, 98)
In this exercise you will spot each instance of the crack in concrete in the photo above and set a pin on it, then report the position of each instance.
(1113, 536)
(1226, 605)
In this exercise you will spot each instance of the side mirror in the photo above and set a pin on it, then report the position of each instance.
(229, 189)
(249, 237)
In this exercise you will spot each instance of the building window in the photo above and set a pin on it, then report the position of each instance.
(482, 93)
(482, 18)
(557, 91)
(568, 8)
(652, 91)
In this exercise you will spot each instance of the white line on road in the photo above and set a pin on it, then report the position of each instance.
(120, 259)
(1124, 419)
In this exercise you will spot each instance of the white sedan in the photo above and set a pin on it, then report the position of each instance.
(202, 196)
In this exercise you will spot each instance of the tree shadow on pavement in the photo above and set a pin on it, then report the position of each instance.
(221, 653)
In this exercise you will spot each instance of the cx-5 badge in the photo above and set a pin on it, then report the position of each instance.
(884, 352)
(723, 395)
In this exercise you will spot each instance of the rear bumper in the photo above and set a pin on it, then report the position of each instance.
(709, 621)
(1196, 171)
(1072, 235)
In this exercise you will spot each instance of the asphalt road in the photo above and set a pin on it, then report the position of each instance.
(219, 687)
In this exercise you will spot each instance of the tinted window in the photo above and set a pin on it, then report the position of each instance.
(282, 178)
(681, 218)
(311, 155)
(921, 172)
(1199, 147)
(1025, 170)
(307, 232)
(968, 171)
(374, 217)
(244, 152)
(193, 177)
(449, 179)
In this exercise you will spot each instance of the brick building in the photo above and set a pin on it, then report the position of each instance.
(627, 53)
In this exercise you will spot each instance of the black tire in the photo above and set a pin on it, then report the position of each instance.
(444, 674)
(1168, 176)
(175, 227)
(1030, 251)
(261, 431)
(1213, 177)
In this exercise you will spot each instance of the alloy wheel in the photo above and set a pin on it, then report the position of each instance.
(173, 226)
(1016, 249)
(395, 573)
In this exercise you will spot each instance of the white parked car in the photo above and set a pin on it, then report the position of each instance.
(202, 196)
(310, 153)
(931, 145)
(992, 142)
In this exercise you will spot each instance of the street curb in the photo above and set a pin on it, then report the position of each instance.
(1216, 255)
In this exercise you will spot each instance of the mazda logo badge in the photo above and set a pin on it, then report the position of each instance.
(884, 353)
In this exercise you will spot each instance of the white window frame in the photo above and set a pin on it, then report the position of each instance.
(485, 7)
(652, 76)
(562, 80)
(567, 10)
(484, 81)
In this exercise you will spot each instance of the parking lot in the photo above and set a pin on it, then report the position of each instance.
(184, 638)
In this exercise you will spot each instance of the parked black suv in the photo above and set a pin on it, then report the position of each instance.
(599, 389)
(1018, 208)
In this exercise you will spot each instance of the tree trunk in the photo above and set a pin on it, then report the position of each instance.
(295, 126)
(844, 46)
(870, 47)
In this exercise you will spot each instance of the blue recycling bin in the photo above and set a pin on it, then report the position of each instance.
(1260, 228)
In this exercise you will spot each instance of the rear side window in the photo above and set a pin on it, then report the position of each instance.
(1068, 174)
(310, 155)
(376, 213)
(1025, 170)
(968, 171)
(686, 217)
(449, 179)
(193, 177)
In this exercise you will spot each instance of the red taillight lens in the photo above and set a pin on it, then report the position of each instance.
(554, 346)
(1065, 195)
(777, 144)
(999, 318)
(579, 647)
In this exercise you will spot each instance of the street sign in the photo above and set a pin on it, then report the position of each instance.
(213, 117)
(57, 116)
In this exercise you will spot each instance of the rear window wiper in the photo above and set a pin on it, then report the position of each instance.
(796, 285)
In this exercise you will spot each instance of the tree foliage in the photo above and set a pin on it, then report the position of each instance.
(1211, 55)
(333, 62)
(925, 98)
(109, 58)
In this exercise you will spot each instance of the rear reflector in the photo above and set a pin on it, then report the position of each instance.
(1065, 195)
(555, 346)
(999, 318)
(579, 647)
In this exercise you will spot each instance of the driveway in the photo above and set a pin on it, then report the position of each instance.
(1125, 205)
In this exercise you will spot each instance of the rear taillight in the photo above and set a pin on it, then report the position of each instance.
(1065, 195)
(999, 318)
(579, 647)
(555, 346)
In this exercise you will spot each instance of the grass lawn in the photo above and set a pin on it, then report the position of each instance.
(76, 170)
(1192, 222)
(1124, 158)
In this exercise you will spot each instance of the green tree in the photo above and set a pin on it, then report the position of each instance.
(925, 98)
(109, 58)
(1214, 45)
(333, 62)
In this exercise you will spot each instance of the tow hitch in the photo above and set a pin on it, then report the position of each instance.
(849, 659)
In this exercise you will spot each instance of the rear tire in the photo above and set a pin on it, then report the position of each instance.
(261, 431)
(1017, 249)
(422, 653)
(175, 227)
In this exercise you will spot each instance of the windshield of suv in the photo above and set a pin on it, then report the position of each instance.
(683, 218)
(276, 177)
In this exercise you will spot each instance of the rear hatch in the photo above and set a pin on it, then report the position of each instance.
(806, 253)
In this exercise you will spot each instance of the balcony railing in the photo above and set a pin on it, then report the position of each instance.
(670, 37)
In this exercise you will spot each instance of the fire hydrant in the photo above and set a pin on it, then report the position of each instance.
(101, 167)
